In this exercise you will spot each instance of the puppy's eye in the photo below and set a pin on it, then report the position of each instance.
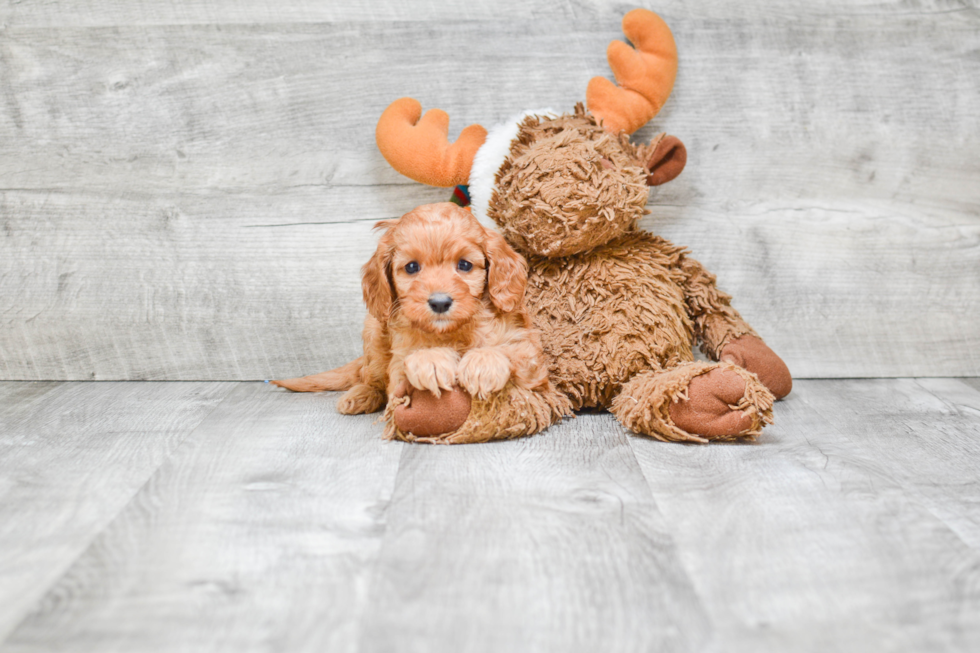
(464, 265)
(412, 267)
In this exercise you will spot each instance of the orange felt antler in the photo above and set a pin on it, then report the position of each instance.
(420, 149)
(645, 75)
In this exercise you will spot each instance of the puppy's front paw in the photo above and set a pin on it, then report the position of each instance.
(483, 371)
(432, 369)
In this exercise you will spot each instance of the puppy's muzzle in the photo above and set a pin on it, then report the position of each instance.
(440, 302)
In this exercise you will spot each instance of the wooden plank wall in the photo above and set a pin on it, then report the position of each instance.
(187, 189)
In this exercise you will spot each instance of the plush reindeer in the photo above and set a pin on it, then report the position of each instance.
(618, 308)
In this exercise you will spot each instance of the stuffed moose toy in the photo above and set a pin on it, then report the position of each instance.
(618, 309)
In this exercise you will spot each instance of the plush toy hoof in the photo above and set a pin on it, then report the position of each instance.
(751, 353)
(427, 415)
(695, 402)
(707, 411)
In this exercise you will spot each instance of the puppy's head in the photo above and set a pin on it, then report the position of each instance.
(437, 266)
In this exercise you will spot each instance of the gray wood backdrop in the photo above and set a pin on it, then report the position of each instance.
(187, 189)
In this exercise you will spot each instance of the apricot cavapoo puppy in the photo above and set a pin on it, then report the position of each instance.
(445, 300)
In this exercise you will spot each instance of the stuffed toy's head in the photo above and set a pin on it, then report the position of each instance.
(569, 185)
(555, 184)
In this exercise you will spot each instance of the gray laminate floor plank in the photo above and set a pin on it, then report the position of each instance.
(18, 399)
(807, 541)
(924, 432)
(278, 525)
(105, 13)
(71, 456)
(552, 543)
(258, 534)
(973, 382)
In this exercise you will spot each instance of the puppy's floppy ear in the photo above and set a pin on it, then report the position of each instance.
(376, 284)
(506, 273)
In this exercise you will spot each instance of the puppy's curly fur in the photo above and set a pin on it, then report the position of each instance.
(434, 255)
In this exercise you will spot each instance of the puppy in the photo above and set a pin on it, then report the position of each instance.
(445, 301)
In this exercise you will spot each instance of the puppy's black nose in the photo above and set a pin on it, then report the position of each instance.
(440, 302)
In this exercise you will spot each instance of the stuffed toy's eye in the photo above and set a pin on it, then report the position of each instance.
(464, 265)
(412, 267)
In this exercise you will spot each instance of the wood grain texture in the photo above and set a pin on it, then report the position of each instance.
(840, 209)
(813, 539)
(107, 13)
(926, 434)
(182, 288)
(71, 456)
(257, 534)
(547, 544)
(278, 525)
(973, 383)
(99, 13)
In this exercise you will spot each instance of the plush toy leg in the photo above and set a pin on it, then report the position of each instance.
(511, 413)
(750, 353)
(695, 402)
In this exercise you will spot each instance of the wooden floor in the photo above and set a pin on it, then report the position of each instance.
(234, 516)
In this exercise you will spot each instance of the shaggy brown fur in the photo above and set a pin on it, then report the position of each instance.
(567, 186)
(633, 304)
(647, 404)
(618, 308)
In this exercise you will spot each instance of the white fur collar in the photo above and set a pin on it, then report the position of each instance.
(488, 160)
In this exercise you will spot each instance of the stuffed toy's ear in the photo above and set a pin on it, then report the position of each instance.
(506, 273)
(666, 158)
(376, 282)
